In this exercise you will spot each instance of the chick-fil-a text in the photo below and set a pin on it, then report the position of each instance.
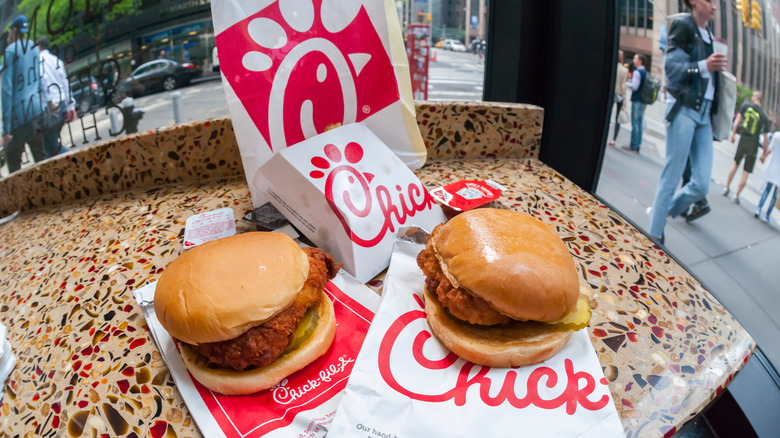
(572, 395)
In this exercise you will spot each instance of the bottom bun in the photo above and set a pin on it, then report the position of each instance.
(506, 345)
(230, 382)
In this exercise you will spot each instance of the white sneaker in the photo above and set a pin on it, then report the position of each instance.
(726, 191)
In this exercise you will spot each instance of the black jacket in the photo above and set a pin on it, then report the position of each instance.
(685, 49)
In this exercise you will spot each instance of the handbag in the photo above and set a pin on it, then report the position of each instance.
(727, 100)
(623, 116)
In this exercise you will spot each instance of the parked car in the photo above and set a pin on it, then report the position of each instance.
(157, 75)
(454, 45)
(87, 93)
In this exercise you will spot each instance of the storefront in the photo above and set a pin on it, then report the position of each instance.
(188, 43)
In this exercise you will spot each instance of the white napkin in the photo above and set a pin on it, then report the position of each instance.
(7, 359)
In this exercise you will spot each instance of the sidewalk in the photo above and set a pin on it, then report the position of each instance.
(735, 255)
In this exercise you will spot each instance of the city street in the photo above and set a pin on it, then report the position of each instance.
(732, 253)
(201, 100)
(455, 76)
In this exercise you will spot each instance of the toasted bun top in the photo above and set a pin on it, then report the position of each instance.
(512, 260)
(221, 289)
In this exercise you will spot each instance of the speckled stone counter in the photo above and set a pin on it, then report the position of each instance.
(88, 365)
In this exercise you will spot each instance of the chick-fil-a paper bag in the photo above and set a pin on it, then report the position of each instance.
(349, 194)
(407, 384)
(303, 404)
(292, 68)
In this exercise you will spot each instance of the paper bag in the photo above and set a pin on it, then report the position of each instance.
(293, 68)
(348, 193)
(405, 383)
(727, 100)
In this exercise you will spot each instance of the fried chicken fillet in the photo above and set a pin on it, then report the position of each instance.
(263, 344)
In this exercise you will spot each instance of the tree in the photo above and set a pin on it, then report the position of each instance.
(64, 20)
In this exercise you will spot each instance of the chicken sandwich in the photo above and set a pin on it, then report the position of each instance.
(248, 310)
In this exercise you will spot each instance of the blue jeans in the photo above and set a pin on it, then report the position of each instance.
(767, 190)
(637, 124)
(51, 134)
(689, 134)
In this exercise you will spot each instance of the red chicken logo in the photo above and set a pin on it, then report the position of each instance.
(298, 66)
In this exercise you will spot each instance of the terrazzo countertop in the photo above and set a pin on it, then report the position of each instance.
(88, 365)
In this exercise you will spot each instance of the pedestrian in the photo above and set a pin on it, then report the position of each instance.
(21, 96)
(59, 106)
(751, 122)
(771, 176)
(620, 94)
(637, 106)
(692, 71)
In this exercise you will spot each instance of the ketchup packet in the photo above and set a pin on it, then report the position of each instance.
(407, 384)
(467, 194)
(301, 405)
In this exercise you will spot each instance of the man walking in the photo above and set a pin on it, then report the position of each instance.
(59, 104)
(751, 121)
(637, 106)
(21, 96)
(693, 69)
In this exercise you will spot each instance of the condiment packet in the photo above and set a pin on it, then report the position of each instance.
(407, 384)
(303, 404)
(467, 194)
(212, 225)
(348, 193)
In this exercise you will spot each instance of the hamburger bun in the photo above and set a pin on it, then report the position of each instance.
(512, 260)
(231, 382)
(221, 289)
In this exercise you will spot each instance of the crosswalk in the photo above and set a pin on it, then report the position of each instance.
(455, 85)
(456, 76)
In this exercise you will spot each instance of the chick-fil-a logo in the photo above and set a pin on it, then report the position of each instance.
(298, 66)
(285, 395)
(396, 206)
(572, 395)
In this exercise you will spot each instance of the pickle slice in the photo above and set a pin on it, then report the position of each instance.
(305, 329)
(578, 318)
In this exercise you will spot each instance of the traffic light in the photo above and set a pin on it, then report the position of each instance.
(423, 17)
(755, 15)
(742, 6)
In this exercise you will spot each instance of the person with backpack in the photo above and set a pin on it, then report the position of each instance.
(751, 122)
(638, 79)
(692, 72)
